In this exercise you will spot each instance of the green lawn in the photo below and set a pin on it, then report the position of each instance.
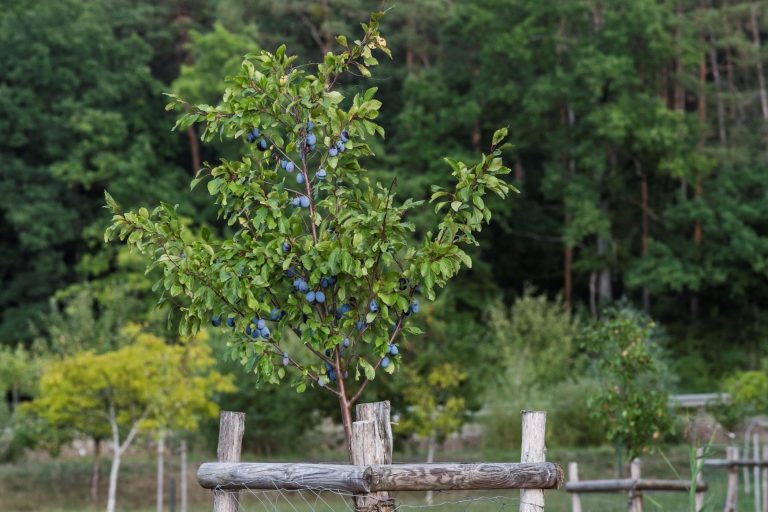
(62, 486)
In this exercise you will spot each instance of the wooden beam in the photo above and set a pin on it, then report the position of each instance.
(727, 463)
(629, 484)
(376, 478)
(284, 476)
(448, 477)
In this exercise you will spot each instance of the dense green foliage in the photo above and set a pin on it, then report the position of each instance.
(640, 132)
(631, 404)
(343, 278)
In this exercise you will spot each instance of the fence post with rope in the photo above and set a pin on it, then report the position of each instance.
(372, 476)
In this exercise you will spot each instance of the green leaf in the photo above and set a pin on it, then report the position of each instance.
(334, 97)
(499, 135)
(368, 370)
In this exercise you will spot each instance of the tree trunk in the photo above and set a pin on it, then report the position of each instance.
(567, 270)
(760, 74)
(96, 471)
(567, 116)
(119, 449)
(759, 63)
(113, 472)
(431, 445)
(604, 288)
(698, 185)
(194, 149)
(644, 230)
(160, 470)
(593, 294)
(718, 91)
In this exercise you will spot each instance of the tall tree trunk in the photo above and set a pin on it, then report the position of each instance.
(194, 149)
(568, 117)
(160, 470)
(759, 63)
(411, 31)
(96, 471)
(519, 172)
(183, 477)
(604, 288)
(567, 268)
(718, 91)
(644, 230)
(760, 74)
(699, 184)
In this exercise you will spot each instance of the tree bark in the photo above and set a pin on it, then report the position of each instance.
(759, 63)
(760, 74)
(718, 91)
(644, 232)
(699, 184)
(119, 449)
(160, 470)
(604, 288)
(194, 149)
(96, 471)
(113, 472)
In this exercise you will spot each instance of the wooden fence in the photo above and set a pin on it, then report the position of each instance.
(732, 463)
(372, 476)
(635, 486)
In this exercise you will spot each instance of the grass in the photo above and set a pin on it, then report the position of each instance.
(62, 486)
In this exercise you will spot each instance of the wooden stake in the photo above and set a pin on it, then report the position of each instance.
(756, 471)
(699, 498)
(573, 476)
(231, 429)
(372, 445)
(732, 494)
(635, 496)
(765, 479)
(533, 449)
(183, 477)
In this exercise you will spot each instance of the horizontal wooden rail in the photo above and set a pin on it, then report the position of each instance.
(729, 463)
(629, 484)
(374, 478)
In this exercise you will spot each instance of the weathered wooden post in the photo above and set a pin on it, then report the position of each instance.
(765, 479)
(231, 428)
(372, 445)
(533, 449)
(183, 477)
(756, 471)
(732, 494)
(573, 476)
(699, 497)
(635, 495)
(172, 495)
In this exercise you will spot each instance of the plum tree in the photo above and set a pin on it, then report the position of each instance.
(348, 236)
